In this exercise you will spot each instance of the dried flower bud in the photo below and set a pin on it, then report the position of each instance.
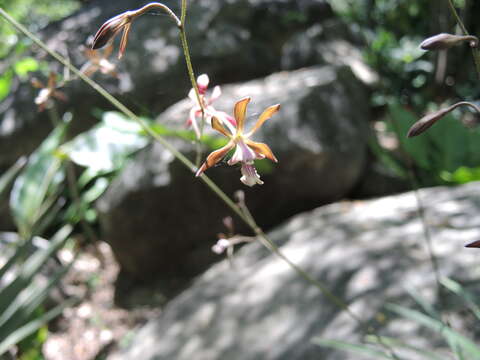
(110, 29)
(446, 41)
(425, 122)
(428, 120)
(474, 244)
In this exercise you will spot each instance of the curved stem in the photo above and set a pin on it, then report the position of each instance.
(156, 5)
(464, 103)
(475, 51)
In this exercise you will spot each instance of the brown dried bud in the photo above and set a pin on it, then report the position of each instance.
(425, 122)
(428, 120)
(446, 41)
(474, 244)
(110, 29)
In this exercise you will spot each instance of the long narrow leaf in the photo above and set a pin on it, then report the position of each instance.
(400, 344)
(355, 348)
(33, 326)
(467, 296)
(449, 334)
(31, 267)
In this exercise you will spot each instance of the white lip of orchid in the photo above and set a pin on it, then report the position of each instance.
(243, 153)
(250, 176)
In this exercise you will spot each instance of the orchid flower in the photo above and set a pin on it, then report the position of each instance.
(207, 102)
(98, 61)
(47, 92)
(246, 150)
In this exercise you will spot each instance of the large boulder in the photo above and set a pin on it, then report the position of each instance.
(159, 219)
(366, 252)
(231, 40)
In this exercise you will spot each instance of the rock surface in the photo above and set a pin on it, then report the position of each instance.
(366, 252)
(159, 219)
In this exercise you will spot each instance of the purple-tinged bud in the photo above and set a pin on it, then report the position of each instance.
(425, 122)
(446, 41)
(428, 120)
(111, 28)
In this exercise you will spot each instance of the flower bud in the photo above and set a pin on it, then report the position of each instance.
(474, 244)
(446, 41)
(425, 122)
(110, 29)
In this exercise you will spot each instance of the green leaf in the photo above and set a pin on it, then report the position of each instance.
(452, 336)
(32, 326)
(106, 147)
(25, 65)
(354, 348)
(7, 178)
(417, 147)
(394, 343)
(467, 296)
(41, 178)
(30, 268)
(5, 82)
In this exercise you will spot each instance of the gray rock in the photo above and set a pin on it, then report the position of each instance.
(367, 252)
(231, 40)
(158, 218)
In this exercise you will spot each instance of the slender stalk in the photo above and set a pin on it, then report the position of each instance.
(191, 75)
(248, 219)
(475, 51)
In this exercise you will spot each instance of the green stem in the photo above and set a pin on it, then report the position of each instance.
(191, 75)
(210, 184)
(475, 51)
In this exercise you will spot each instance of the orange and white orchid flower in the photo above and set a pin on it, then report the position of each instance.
(246, 150)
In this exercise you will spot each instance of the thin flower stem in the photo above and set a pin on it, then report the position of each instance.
(191, 75)
(475, 51)
(154, 5)
(263, 239)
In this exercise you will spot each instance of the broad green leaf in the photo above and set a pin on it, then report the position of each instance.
(7, 178)
(41, 177)
(106, 147)
(25, 65)
(418, 147)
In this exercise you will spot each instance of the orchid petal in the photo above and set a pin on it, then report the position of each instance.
(124, 40)
(239, 112)
(216, 93)
(215, 157)
(250, 176)
(267, 114)
(243, 154)
(262, 149)
(202, 81)
(217, 125)
(193, 121)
